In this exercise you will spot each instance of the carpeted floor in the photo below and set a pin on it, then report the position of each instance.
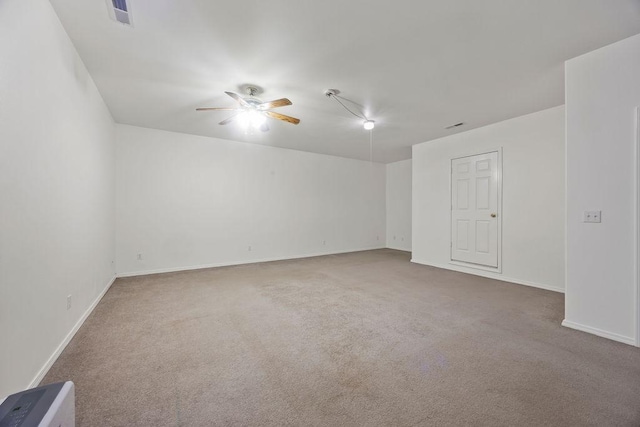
(360, 339)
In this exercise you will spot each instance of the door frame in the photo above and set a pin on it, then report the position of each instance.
(497, 269)
(637, 223)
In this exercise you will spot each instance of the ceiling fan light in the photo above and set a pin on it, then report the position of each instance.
(243, 119)
(256, 119)
(369, 124)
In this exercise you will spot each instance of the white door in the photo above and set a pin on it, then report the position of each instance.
(474, 209)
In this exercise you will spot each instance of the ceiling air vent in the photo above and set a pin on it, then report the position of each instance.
(119, 11)
(455, 126)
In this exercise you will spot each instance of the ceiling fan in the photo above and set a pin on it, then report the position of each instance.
(252, 111)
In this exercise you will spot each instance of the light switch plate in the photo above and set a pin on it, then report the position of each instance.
(592, 216)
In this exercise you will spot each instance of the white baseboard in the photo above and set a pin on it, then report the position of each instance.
(490, 275)
(599, 332)
(241, 262)
(43, 371)
(399, 248)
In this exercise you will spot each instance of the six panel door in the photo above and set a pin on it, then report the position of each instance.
(474, 209)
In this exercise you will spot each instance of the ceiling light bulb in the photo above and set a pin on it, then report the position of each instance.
(369, 124)
(256, 118)
(243, 119)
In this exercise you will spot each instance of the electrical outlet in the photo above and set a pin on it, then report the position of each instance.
(592, 216)
(68, 302)
(377, 237)
(324, 242)
(249, 249)
(139, 257)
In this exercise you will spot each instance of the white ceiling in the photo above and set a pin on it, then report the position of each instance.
(415, 66)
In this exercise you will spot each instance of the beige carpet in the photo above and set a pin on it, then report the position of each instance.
(361, 339)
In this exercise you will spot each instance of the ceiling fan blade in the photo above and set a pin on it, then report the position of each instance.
(238, 98)
(215, 109)
(274, 104)
(264, 127)
(279, 116)
(228, 120)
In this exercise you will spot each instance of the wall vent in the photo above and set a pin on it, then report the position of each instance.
(120, 11)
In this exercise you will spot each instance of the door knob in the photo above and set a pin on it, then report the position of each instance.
(493, 215)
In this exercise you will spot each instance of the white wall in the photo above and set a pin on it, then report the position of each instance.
(533, 192)
(187, 201)
(57, 190)
(603, 91)
(399, 205)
